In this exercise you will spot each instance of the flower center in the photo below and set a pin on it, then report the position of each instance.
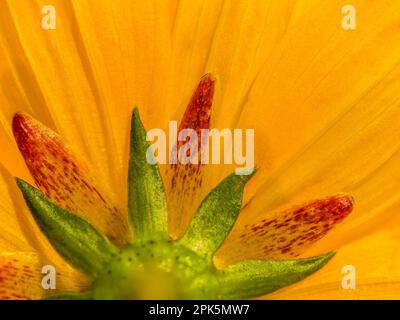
(156, 270)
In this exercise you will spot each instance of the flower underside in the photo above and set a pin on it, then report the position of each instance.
(153, 265)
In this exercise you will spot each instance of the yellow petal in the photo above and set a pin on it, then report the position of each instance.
(58, 85)
(377, 270)
(128, 59)
(65, 178)
(300, 9)
(173, 5)
(16, 90)
(12, 227)
(21, 277)
(380, 204)
(191, 38)
(327, 113)
(88, 79)
(245, 36)
(12, 159)
(18, 229)
(230, 39)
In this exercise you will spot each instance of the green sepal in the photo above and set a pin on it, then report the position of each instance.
(216, 216)
(253, 278)
(146, 195)
(75, 239)
(70, 296)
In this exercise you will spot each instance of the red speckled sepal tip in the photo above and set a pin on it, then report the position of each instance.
(287, 234)
(185, 180)
(63, 177)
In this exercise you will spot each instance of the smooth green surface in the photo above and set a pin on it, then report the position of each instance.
(250, 279)
(216, 216)
(73, 238)
(157, 270)
(146, 195)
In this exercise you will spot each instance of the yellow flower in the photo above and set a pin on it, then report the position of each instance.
(323, 102)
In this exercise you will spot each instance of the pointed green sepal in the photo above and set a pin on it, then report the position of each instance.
(216, 216)
(146, 195)
(70, 296)
(74, 238)
(253, 278)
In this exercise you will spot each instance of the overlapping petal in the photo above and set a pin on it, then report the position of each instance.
(12, 226)
(285, 234)
(327, 109)
(21, 277)
(65, 178)
(184, 182)
(85, 80)
(376, 262)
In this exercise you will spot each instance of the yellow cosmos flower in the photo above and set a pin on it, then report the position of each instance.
(323, 102)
